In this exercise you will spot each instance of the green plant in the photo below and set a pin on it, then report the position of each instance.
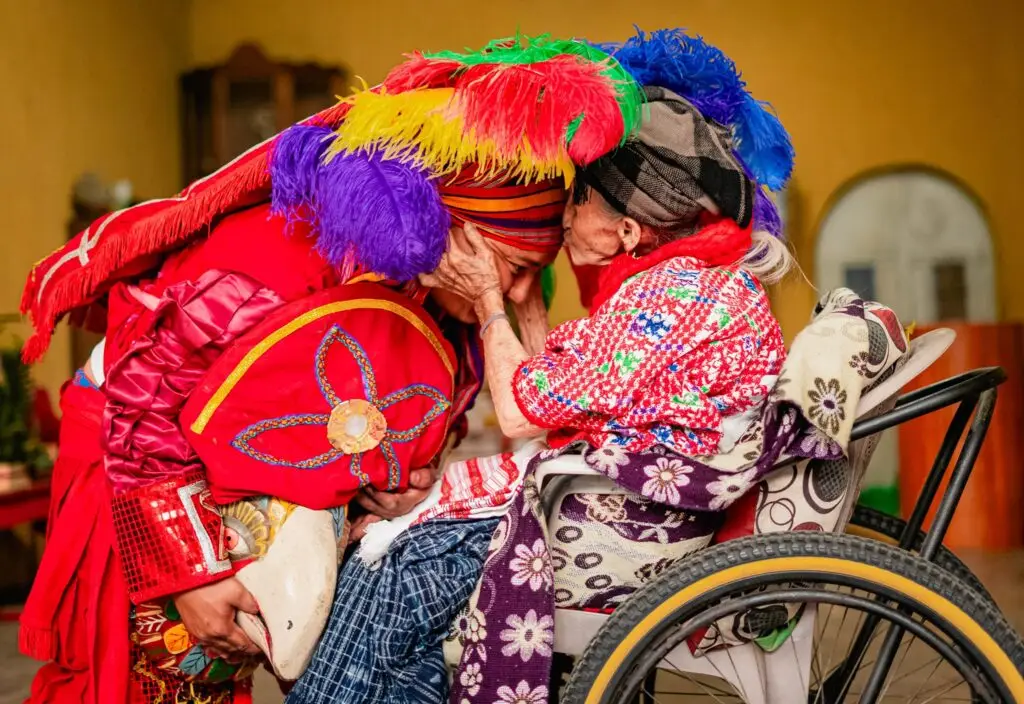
(19, 443)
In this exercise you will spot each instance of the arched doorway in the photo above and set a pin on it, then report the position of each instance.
(916, 239)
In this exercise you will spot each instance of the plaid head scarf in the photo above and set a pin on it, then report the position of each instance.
(678, 167)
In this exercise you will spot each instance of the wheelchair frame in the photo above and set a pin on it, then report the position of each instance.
(974, 394)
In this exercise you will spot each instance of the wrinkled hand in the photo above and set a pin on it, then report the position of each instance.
(358, 530)
(469, 268)
(208, 613)
(532, 318)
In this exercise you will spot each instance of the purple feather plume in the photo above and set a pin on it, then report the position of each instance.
(295, 157)
(385, 215)
(386, 212)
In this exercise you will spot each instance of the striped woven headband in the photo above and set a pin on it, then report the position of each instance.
(527, 217)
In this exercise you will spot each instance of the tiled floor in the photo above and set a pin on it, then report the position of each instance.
(1003, 574)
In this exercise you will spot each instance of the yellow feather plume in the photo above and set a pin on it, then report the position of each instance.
(425, 127)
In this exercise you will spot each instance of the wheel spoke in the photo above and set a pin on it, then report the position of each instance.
(720, 673)
(938, 663)
(804, 685)
(891, 676)
(888, 644)
(941, 692)
(828, 664)
(709, 689)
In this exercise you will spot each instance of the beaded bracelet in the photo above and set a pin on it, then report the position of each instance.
(491, 321)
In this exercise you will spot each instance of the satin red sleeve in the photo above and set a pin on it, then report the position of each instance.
(170, 535)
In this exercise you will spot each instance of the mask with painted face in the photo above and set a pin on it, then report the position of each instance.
(287, 557)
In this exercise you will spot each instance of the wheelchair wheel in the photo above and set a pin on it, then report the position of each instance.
(875, 525)
(942, 641)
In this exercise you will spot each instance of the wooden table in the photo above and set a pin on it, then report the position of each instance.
(26, 505)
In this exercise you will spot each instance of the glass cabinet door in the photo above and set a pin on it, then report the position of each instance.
(228, 109)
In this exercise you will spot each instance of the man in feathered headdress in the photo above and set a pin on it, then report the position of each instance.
(265, 335)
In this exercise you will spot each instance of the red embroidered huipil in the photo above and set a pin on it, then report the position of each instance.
(164, 336)
(678, 351)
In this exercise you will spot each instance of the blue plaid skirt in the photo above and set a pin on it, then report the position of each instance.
(383, 641)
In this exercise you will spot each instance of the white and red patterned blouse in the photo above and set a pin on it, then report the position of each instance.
(681, 354)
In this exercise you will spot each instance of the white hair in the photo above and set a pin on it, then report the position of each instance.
(768, 258)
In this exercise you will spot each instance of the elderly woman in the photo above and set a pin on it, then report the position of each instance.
(681, 348)
(675, 361)
(138, 595)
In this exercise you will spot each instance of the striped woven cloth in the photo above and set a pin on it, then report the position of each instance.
(524, 216)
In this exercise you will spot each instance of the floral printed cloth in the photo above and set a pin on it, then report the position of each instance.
(507, 634)
(815, 493)
(607, 544)
(681, 355)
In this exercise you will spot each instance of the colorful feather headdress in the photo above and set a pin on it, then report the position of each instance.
(517, 114)
(525, 108)
(709, 79)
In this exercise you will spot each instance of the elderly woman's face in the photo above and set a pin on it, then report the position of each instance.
(594, 233)
(517, 271)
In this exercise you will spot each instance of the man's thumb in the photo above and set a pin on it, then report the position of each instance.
(421, 478)
(244, 601)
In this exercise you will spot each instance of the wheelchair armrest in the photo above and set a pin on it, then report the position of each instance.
(566, 465)
(569, 474)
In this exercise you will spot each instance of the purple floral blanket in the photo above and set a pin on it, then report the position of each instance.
(507, 634)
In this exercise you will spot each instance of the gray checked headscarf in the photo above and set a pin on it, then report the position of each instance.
(678, 166)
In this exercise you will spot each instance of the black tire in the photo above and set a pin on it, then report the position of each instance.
(691, 586)
(869, 521)
(872, 524)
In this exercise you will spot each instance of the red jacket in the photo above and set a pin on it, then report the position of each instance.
(219, 386)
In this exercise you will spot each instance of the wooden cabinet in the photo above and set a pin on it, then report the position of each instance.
(228, 108)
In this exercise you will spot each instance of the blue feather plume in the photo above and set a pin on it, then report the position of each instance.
(705, 76)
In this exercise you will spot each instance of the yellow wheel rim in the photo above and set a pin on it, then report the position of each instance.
(870, 534)
(954, 615)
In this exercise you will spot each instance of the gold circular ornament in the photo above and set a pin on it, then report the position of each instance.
(356, 426)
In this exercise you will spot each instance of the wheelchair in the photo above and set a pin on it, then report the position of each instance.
(873, 610)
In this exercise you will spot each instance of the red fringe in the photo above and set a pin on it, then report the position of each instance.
(171, 226)
(332, 116)
(37, 344)
(37, 643)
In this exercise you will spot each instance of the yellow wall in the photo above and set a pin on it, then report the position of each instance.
(859, 84)
(92, 86)
(85, 86)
